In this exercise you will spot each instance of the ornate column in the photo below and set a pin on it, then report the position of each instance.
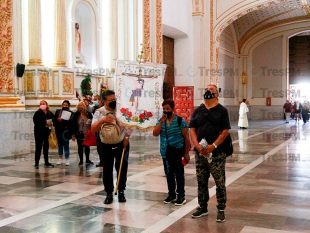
(60, 33)
(34, 28)
(146, 31)
(159, 35)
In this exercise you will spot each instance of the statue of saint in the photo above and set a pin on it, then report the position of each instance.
(77, 41)
(244, 78)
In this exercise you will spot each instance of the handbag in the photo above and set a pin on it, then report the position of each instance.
(52, 139)
(90, 139)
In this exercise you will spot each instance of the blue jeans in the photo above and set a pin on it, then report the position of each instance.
(63, 144)
(175, 177)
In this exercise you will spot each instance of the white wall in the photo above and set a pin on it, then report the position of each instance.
(177, 24)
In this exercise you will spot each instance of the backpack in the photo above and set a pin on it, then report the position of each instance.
(110, 133)
(227, 144)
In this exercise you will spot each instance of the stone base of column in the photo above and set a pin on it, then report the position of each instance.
(35, 62)
(60, 63)
(10, 102)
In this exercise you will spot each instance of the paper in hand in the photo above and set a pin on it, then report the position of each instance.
(65, 115)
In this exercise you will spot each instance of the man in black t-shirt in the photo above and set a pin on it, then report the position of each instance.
(210, 121)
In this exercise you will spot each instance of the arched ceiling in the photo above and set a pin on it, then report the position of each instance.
(270, 14)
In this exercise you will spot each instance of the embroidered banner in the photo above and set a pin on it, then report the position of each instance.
(139, 94)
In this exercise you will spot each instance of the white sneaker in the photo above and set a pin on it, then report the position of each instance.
(59, 162)
(67, 162)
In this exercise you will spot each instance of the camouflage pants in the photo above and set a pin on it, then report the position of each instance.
(203, 171)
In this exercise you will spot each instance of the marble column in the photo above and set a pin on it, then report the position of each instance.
(60, 33)
(34, 28)
(113, 32)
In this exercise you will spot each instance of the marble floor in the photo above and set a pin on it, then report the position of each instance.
(268, 189)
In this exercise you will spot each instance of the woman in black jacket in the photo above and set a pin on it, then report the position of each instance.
(80, 125)
(62, 129)
(42, 120)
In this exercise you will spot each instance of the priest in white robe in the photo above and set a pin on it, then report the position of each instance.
(243, 122)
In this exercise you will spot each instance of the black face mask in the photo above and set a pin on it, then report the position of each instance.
(209, 95)
(169, 114)
(112, 104)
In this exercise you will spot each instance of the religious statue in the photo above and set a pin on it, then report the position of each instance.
(77, 41)
(244, 78)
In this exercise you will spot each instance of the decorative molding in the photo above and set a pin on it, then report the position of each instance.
(198, 7)
(55, 82)
(29, 82)
(159, 35)
(6, 47)
(43, 81)
(146, 31)
(68, 83)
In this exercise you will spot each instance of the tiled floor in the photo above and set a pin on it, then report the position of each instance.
(268, 188)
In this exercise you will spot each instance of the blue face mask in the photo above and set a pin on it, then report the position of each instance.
(96, 103)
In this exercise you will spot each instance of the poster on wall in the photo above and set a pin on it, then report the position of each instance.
(139, 94)
(183, 97)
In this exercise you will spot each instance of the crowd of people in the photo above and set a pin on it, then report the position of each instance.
(206, 132)
(296, 111)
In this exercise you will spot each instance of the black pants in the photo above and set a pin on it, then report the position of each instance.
(112, 152)
(99, 148)
(81, 150)
(41, 140)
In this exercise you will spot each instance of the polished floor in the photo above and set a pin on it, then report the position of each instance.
(268, 189)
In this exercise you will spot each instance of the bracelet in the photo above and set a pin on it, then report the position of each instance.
(214, 145)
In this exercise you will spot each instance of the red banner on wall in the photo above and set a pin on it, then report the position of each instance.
(183, 97)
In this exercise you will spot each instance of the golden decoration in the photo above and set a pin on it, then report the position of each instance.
(6, 47)
(197, 7)
(43, 77)
(146, 30)
(159, 36)
(29, 81)
(67, 83)
(244, 78)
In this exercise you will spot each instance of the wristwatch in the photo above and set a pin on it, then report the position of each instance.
(215, 146)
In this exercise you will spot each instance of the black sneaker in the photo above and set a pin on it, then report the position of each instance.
(80, 163)
(220, 216)
(89, 162)
(36, 166)
(99, 165)
(180, 201)
(121, 197)
(108, 199)
(200, 212)
(49, 165)
(170, 199)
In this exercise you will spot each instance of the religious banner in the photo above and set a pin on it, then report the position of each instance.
(183, 97)
(139, 94)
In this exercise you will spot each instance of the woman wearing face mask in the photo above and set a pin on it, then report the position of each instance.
(80, 125)
(42, 120)
(62, 128)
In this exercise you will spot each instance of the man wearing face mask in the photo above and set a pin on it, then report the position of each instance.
(107, 114)
(210, 121)
(174, 144)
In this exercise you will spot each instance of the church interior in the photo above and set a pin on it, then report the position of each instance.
(254, 50)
